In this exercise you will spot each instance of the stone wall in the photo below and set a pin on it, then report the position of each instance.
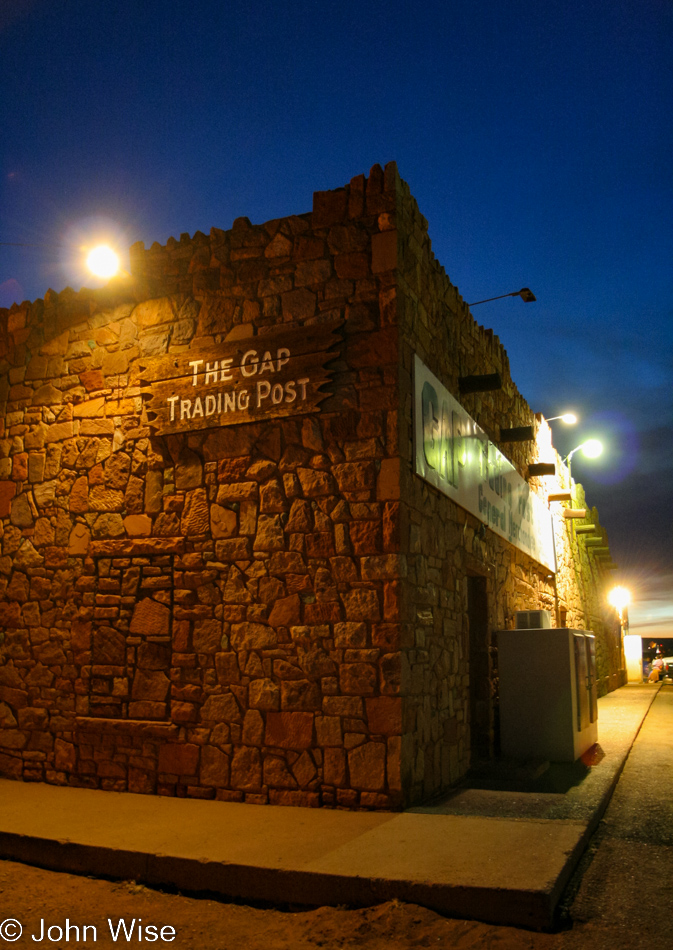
(445, 545)
(267, 612)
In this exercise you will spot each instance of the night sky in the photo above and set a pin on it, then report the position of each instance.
(537, 139)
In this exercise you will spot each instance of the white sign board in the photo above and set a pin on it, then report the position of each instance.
(454, 454)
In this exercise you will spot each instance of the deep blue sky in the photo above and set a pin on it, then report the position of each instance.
(536, 137)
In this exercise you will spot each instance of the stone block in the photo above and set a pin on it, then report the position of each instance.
(276, 773)
(151, 685)
(78, 542)
(384, 251)
(366, 537)
(233, 549)
(141, 782)
(384, 715)
(196, 514)
(329, 208)
(299, 694)
(179, 759)
(289, 730)
(391, 673)
(253, 728)
(264, 694)
(7, 493)
(388, 482)
(214, 769)
(334, 767)
(227, 668)
(388, 566)
(109, 647)
(150, 618)
(207, 636)
(223, 522)
(367, 766)
(304, 769)
(358, 679)
(221, 708)
(138, 526)
(21, 514)
(355, 476)
(315, 483)
(252, 636)
(65, 756)
(287, 562)
(361, 605)
(246, 768)
(13, 739)
(350, 635)
(286, 612)
(270, 535)
(328, 731)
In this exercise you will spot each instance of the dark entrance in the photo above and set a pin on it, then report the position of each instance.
(480, 679)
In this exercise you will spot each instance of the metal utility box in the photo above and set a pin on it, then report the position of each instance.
(548, 699)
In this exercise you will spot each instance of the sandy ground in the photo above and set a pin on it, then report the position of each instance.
(31, 895)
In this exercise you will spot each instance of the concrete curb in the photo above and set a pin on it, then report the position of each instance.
(498, 870)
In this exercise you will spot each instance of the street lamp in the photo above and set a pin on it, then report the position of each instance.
(592, 448)
(569, 418)
(102, 261)
(620, 598)
(525, 293)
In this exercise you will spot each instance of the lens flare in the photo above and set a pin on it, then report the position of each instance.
(592, 448)
(619, 598)
(102, 261)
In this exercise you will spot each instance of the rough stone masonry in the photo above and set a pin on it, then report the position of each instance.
(233, 585)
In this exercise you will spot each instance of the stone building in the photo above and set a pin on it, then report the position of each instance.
(233, 563)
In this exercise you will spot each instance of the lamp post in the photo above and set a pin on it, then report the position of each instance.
(592, 448)
(569, 418)
(525, 293)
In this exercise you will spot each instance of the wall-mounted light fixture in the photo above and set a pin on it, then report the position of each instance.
(479, 384)
(518, 434)
(560, 496)
(525, 293)
(592, 448)
(535, 469)
(569, 418)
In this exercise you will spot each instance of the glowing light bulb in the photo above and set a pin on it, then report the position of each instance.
(102, 261)
(569, 418)
(619, 598)
(592, 448)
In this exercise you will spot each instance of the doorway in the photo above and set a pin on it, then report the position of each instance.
(480, 673)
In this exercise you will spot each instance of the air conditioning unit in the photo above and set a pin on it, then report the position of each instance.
(533, 620)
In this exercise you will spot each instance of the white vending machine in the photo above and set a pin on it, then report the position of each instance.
(548, 699)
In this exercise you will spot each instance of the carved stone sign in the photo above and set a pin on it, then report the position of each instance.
(279, 373)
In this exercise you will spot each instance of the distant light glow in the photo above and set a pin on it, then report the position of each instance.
(102, 261)
(619, 598)
(592, 448)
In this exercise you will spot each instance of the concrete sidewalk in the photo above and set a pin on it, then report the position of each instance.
(500, 848)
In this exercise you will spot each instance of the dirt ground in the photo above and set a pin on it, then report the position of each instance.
(606, 913)
(30, 895)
